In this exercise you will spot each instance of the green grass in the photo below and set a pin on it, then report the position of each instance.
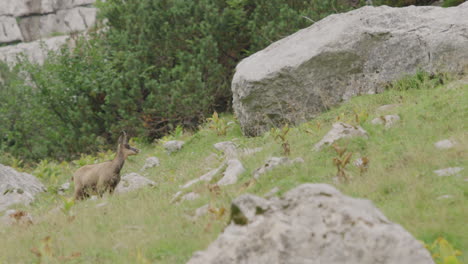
(144, 227)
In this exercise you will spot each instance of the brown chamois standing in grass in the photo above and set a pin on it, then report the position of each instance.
(102, 177)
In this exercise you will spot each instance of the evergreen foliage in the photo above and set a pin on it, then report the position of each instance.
(150, 66)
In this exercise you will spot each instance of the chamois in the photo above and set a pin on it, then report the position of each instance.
(105, 176)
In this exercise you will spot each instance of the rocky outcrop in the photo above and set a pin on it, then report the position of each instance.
(17, 187)
(313, 223)
(345, 55)
(24, 22)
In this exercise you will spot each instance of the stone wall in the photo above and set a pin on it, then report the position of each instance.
(23, 23)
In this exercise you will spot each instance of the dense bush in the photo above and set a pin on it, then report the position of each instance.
(153, 65)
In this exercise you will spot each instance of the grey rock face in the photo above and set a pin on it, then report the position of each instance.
(133, 181)
(387, 120)
(17, 187)
(63, 22)
(22, 8)
(344, 55)
(340, 130)
(312, 224)
(10, 31)
(173, 146)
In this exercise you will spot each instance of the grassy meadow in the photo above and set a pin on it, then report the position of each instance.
(145, 227)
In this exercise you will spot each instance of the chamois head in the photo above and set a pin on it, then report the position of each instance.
(124, 147)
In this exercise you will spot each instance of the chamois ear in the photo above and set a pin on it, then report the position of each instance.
(124, 139)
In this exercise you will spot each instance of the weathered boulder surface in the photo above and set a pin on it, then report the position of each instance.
(343, 55)
(313, 223)
(17, 187)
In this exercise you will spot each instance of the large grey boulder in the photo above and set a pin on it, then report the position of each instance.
(343, 55)
(17, 187)
(312, 224)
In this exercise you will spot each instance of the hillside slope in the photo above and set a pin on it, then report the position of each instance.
(145, 227)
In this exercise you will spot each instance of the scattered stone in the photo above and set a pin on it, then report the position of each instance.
(201, 211)
(64, 188)
(448, 171)
(173, 146)
(444, 144)
(386, 108)
(342, 56)
(233, 170)
(340, 130)
(176, 196)
(250, 151)
(19, 217)
(272, 193)
(228, 148)
(190, 196)
(388, 120)
(133, 181)
(445, 196)
(17, 187)
(274, 162)
(101, 205)
(150, 163)
(313, 224)
(205, 177)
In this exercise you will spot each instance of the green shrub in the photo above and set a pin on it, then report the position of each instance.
(153, 65)
(449, 3)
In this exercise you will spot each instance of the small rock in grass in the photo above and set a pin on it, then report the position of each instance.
(228, 148)
(445, 196)
(205, 177)
(150, 163)
(190, 196)
(388, 120)
(173, 146)
(340, 130)
(448, 171)
(63, 188)
(201, 211)
(133, 181)
(274, 162)
(233, 170)
(444, 144)
(385, 108)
